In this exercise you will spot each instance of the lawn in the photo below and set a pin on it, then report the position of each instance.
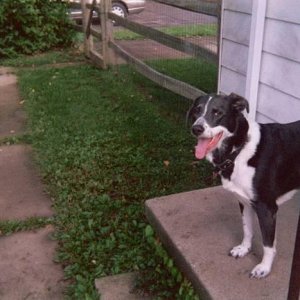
(178, 31)
(105, 142)
(196, 72)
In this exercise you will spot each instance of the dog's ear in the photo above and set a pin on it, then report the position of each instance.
(238, 102)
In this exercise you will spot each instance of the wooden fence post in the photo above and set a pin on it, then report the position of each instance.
(106, 30)
(88, 40)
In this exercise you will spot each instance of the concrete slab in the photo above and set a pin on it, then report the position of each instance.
(27, 267)
(200, 227)
(118, 287)
(21, 191)
(12, 115)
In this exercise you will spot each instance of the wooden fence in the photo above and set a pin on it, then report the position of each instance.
(108, 47)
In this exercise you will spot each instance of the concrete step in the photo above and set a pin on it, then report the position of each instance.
(200, 227)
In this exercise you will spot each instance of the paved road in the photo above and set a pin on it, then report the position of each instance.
(157, 14)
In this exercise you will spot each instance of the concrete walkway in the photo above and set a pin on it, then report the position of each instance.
(12, 116)
(200, 227)
(27, 267)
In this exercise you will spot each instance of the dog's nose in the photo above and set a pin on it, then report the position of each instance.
(197, 129)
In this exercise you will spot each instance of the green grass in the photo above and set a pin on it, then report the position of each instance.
(106, 141)
(44, 59)
(18, 139)
(179, 31)
(9, 227)
(191, 30)
(196, 72)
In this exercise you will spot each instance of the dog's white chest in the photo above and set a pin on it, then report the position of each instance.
(241, 180)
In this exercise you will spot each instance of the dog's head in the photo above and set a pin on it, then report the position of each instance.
(215, 118)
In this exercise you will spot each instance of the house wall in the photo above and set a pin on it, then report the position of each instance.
(275, 97)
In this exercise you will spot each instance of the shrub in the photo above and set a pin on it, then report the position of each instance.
(30, 26)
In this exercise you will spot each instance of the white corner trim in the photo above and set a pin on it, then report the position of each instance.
(221, 24)
(255, 53)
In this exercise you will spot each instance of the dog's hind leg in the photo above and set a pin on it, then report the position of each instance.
(241, 250)
(267, 221)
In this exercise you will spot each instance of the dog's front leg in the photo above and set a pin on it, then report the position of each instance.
(241, 250)
(267, 222)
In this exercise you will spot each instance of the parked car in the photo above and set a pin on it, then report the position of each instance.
(121, 8)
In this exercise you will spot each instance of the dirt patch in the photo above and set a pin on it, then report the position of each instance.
(119, 287)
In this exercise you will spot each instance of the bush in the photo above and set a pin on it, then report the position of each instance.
(30, 26)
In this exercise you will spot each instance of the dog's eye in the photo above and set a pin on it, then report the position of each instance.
(216, 112)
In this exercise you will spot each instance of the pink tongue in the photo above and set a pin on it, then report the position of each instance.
(201, 148)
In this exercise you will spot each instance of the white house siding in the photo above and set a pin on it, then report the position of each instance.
(278, 94)
(235, 36)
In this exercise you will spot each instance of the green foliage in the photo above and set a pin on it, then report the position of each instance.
(165, 274)
(30, 26)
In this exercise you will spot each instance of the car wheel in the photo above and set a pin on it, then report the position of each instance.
(119, 9)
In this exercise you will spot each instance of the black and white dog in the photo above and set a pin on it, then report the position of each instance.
(260, 162)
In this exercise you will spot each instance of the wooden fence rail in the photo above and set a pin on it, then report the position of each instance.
(105, 35)
(174, 85)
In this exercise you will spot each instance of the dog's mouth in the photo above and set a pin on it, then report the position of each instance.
(205, 145)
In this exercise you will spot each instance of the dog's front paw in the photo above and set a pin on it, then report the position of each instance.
(260, 271)
(239, 251)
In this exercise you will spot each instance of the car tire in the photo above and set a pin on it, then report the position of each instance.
(119, 9)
